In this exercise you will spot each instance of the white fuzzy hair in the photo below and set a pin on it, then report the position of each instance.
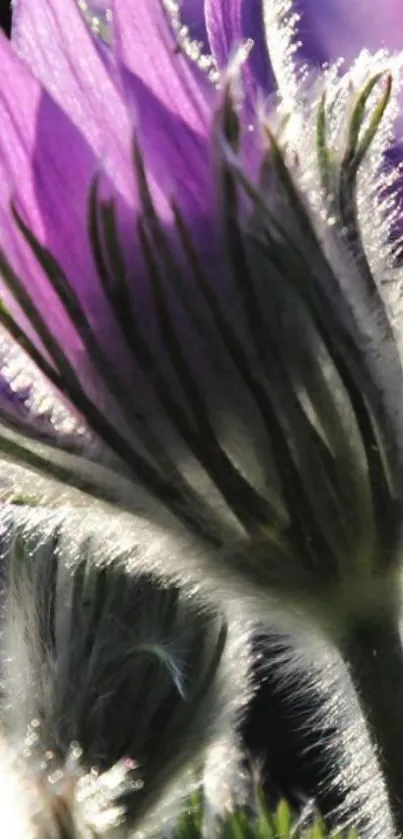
(65, 623)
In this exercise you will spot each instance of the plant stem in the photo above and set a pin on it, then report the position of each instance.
(374, 655)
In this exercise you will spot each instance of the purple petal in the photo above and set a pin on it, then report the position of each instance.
(231, 23)
(147, 48)
(177, 157)
(54, 41)
(47, 167)
(171, 106)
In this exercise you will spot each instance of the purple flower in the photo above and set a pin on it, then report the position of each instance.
(213, 308)
(201, 314)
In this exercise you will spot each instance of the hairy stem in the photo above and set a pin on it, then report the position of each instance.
(374, 654)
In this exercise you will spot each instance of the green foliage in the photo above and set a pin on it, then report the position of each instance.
(243, 823)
